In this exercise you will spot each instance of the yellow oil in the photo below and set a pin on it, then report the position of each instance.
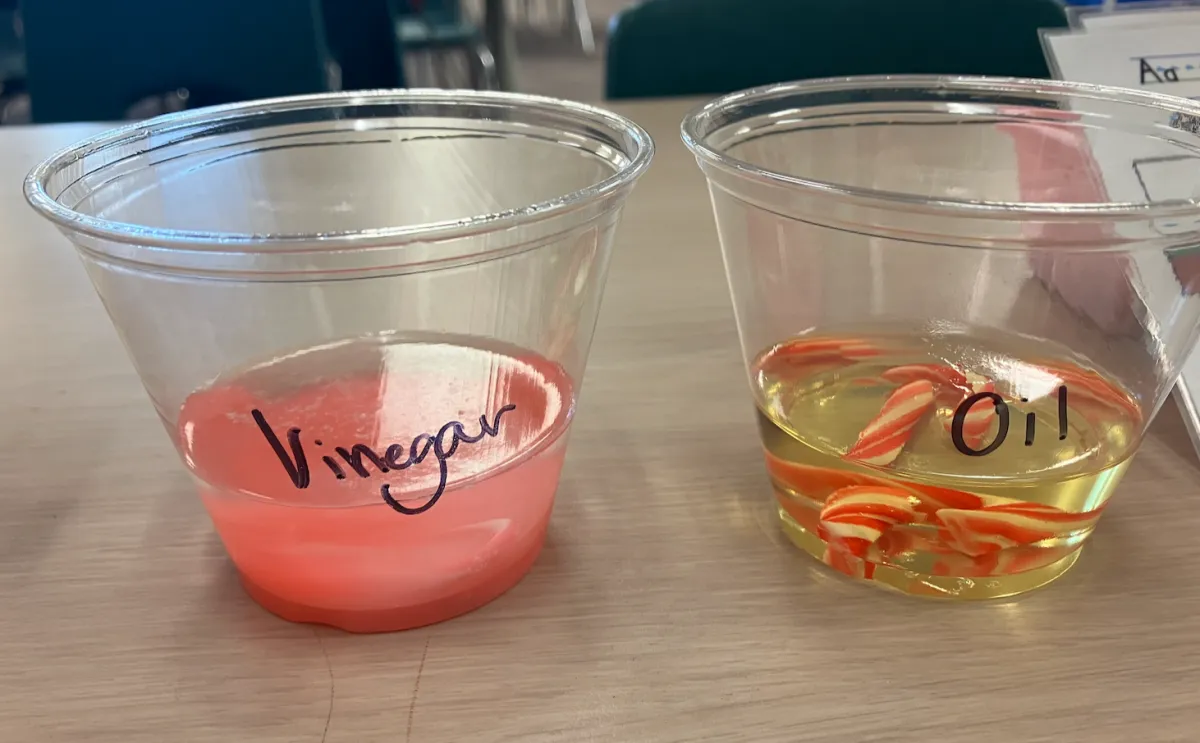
(1068, 454)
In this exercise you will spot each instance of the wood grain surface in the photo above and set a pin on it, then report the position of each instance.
(664, 608)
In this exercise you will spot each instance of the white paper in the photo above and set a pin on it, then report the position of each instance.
(1124, 20)
(1161, 59)
(1141, 50)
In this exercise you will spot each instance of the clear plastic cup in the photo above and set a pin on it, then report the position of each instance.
(363, 319)
(961, 301)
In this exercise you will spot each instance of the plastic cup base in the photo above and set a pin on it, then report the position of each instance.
(488, 588)
(915, 583)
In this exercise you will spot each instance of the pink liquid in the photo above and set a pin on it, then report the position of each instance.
(330, 550)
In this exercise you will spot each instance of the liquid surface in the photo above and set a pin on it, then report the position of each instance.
(949, 467)
(384, 482)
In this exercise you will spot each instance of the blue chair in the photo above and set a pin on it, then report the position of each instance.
(707, 47)
(102, 61)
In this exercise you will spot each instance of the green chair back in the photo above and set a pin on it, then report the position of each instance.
(707, 47)
(91, 61)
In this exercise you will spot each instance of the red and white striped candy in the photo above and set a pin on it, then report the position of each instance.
(996, 527)
(846, 348)
(939, 374)
(900, 540)
(857, 516)
(978, 421)
(1003, 562)
(933, 499)
(801, 366)
(885, 436)
(1086, 388)
(817, 483)
(842, 560)
(803, 512)
(803, 357)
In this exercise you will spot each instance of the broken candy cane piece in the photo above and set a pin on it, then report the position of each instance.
(939, 374)
(1003, 562)
(885, 436)
(996, 527)
(842, 560)
(846, 348)
(933, 499)
(1087, 388)
(803, 512)
(856, 517)
(816, 483)
(804, 357)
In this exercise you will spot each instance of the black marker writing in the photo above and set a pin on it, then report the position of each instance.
(297, 469)
(334, 467)
(441, 452)
(960, 418)
(1062, 412)
(1002, 415)
(355, 457)
(443, 444)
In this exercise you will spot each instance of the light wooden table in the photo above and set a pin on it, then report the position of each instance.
(664, 608)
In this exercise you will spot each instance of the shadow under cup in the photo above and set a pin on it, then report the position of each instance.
(960, 301)
(363, 319)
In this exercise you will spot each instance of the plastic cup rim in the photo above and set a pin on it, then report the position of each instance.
(331, 242)
(693, 124)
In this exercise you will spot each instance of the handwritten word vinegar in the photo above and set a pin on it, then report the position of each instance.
(398, 457)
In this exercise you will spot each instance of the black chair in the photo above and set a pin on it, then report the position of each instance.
(363, 42)
(104, 61)
(12, 46)
(707, 47)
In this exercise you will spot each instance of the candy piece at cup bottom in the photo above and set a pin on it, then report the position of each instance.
(885, 436)
(890, 549)
(998, 527)
(817, 483)
(865, 524)
(857, 516)
(951, 564)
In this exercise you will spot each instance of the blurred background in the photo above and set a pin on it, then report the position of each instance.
(78, 60)
(81, 60)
